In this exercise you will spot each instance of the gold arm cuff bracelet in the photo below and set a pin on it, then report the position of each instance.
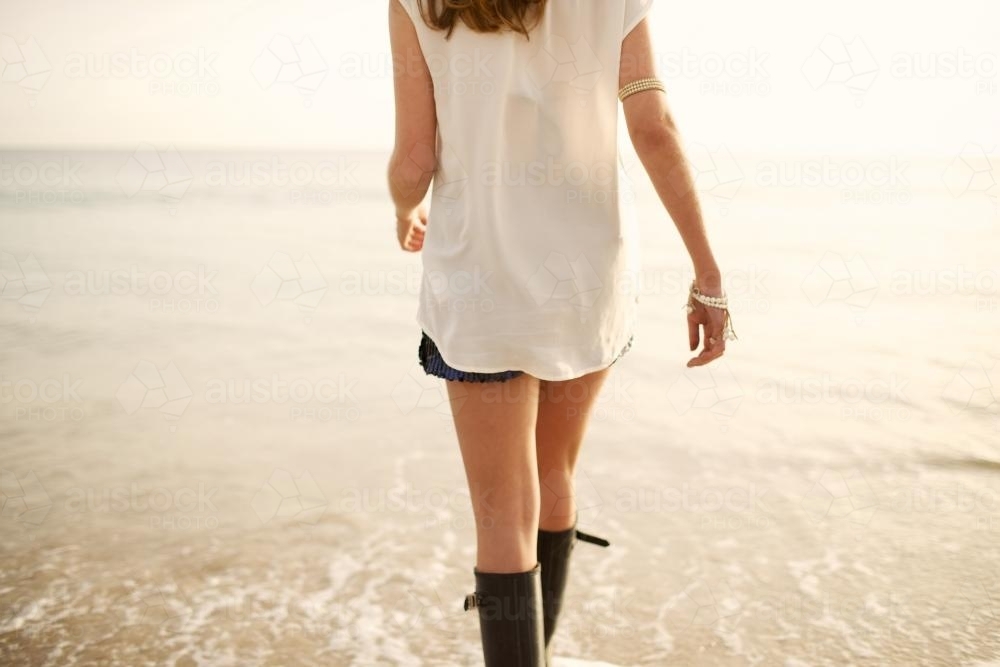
(639, 86)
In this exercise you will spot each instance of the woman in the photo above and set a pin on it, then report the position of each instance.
(510, 107)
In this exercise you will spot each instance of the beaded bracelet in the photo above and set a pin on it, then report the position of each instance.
(640, 85)
(720, 302)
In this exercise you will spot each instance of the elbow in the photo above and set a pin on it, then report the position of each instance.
(653, 134)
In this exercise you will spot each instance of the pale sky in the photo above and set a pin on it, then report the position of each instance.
(936, 83)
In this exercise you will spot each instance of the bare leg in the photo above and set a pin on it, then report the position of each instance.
(564, 410)
(496, 432)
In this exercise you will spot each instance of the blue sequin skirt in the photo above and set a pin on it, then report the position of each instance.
(433, 364)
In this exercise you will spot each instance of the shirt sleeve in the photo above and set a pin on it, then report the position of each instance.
(635, 12)
(411, 8)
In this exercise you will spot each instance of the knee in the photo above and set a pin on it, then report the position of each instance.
(556, 476)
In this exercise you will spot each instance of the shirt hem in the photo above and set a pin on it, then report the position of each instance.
(573, 375)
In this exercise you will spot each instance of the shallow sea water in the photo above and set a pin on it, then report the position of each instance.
(223, 472)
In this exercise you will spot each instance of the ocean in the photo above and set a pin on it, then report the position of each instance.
(217, 446)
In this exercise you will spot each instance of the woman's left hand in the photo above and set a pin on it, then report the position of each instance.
(713, 322)
(410, 230)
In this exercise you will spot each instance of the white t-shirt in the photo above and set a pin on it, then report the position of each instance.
(530, 257)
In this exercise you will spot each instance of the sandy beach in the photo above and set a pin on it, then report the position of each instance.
(218, 447)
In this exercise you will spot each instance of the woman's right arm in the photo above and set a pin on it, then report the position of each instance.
(658, 145)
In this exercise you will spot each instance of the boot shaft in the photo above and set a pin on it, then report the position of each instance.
(510, 618)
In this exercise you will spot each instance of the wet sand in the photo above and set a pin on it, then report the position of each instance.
(244, 465)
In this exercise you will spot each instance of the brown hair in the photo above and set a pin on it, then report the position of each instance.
(482, 15)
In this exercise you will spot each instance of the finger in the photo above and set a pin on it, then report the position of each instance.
(715, 347)
(407, 242)
(719, 335)
(692, 332)
(707, 355)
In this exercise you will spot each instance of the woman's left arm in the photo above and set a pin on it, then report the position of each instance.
(414, 157)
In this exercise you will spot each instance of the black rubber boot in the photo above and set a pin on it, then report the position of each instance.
(554, 549)
(510, 618)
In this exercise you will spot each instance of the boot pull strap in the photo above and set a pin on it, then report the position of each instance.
(599, 541)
